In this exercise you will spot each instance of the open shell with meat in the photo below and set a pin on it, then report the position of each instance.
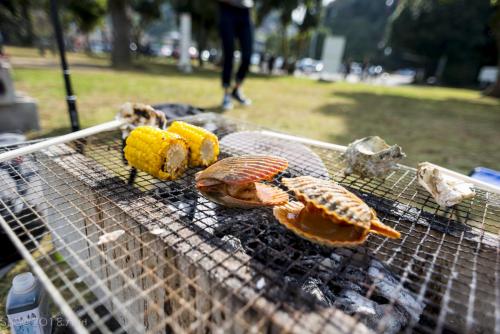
(234, 181)
(329, 214)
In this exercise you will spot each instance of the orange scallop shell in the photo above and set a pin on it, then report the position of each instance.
(288, 215)
(244, 169)
(336, 201)
(332, 199)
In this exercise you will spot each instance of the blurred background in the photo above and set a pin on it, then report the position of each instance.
(422, 74)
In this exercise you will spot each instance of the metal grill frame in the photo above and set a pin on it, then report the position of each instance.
(170, 245)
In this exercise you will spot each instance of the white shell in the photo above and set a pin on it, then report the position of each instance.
(372, 157)
(446, 190)
(138, 114)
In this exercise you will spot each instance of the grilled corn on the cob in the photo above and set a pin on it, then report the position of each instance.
(157, 152)
(203, 144)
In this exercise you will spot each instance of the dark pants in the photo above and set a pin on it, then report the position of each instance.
(235, 23)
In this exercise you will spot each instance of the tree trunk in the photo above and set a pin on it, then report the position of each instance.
(120, 53)
(284, 41)
(30, 36)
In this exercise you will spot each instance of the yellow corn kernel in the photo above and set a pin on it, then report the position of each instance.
(203, 144)
(157, 152)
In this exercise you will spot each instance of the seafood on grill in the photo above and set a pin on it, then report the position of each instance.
(446, 190)
(301, 159)
(203, 144)
(157, 152)
(329, 214)
(372, 157)
(138, 114)
(233, 181)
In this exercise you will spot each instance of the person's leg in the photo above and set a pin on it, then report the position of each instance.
(245, 37)
(226, 27)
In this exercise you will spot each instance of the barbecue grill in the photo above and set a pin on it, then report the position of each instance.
(180, 263)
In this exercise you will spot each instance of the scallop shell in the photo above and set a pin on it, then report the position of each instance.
(332, 199)
(233, 181)
(244, 169)
(288, 215)
(301, 159)
(335, 203)
(372, 157)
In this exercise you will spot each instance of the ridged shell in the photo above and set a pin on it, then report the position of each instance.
(267, 196)
(331, 198)
(244, 169)
(288, 213)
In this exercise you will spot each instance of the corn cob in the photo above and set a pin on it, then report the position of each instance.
(203, 144)
(157, 152)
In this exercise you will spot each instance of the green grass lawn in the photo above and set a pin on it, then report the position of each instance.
(456, 128)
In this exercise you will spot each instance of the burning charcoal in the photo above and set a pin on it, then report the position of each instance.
(386, 285)
(394, 320)
(354, 273)
(343, 252)
(328, 264)
(232, 243)
(205, 216)
(318, 290)
(370, 312)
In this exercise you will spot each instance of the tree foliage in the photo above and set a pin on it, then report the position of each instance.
(455, 30)
(16, 22)
(361, 22)
(87, 14)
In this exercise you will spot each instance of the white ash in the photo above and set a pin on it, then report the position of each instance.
(261, 283)
(371, 313)
(158, 231)
(318, 290)
(110, 237)
(232, 243)
(387, 285)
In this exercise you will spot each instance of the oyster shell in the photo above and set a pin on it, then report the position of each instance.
(233, 181)
(446, 190)
(372, 157)
(138, 114)
(329, 214)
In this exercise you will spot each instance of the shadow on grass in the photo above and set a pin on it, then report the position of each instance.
(457, 133)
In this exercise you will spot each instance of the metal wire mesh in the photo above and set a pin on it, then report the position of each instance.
(184, 264)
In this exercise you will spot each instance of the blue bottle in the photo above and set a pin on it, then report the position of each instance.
(28, 306)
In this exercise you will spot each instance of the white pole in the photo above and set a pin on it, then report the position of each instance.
(108, 126)
(185, 42)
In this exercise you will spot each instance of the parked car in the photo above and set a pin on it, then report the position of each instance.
(309, 65)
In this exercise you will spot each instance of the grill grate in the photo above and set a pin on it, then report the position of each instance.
(186, 264)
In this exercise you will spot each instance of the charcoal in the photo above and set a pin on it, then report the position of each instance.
(232, 243)
(370, 312)
(386, 285)
(315, 288)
